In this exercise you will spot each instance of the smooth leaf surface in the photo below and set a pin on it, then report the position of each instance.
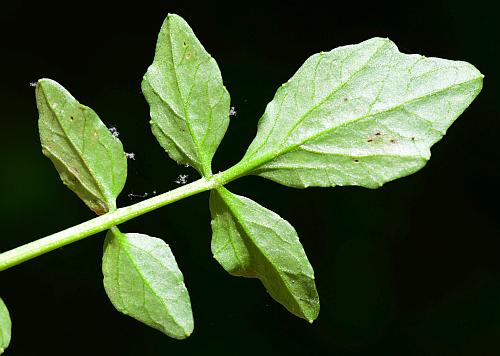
(89, 159)
(360, 115)
(252, 241)
(142, 279)
(5, 327)
(189, 104)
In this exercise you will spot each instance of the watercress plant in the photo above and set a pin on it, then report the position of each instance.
(362, 114)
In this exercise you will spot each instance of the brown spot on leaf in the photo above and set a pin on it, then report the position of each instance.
(375, 136)
(98, 207)
(392, 140)
(75, 172)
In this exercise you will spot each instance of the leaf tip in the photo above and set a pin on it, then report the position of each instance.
(186, 329)
(173, 18)
(311, 315)
(381, 40)
(45, 86)
(171, 15)
(45, 83)
(187, 333)
(310, 320)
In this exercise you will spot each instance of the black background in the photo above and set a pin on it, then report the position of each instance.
(412, 268)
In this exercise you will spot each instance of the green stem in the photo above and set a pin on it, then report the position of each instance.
(49, 243)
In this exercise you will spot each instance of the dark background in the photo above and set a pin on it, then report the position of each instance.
(412, 268)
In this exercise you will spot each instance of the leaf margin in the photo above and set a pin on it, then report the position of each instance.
(301, 307)
(262, 165)
(116, 240)
(100, 198)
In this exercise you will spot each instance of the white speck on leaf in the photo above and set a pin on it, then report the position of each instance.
(130, 155)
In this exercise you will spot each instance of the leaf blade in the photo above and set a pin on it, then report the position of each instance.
(369, 115)
(142, 280)
(189, 130)
(88, 158)
(5, 327)
(252, 241)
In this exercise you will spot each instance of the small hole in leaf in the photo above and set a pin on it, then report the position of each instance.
(71, 118)
(378, 133)
(184, 43)
(392, 140)
(356, 161)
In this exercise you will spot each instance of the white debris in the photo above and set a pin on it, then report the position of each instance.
(114, 131)
(232, 111)
(182, 179)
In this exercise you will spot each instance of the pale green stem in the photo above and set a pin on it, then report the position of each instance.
(49, 243)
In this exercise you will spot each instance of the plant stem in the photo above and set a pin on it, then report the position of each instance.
(49, 243)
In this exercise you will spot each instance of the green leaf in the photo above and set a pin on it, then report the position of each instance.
(5, 327)
(189, 104)
(89, 159)
(359, 115)
(252, 241)
(142, 279)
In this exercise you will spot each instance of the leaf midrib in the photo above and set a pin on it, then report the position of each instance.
(157, 123)
(84, 186)
(101, 190)
(259, 161)
(240, 221)
(200, 153)
(126, 244)
(327, 97)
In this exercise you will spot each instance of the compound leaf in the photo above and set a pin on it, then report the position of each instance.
(89, 158)
(142, 279)
(252, 241)
(5, 327)
(189, 104)
(362, 115)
